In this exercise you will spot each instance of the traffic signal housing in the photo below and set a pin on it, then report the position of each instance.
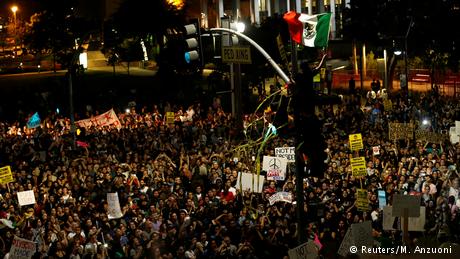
(193, 43)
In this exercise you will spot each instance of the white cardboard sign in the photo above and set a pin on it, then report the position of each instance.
(22, 248)
(275, 167)
(247, 181)
(286, 152)
(114, 206)
(26, 198)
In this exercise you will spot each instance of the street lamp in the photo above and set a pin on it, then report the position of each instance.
(14, 9)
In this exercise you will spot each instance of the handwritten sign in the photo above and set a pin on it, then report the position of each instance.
(5, 175)
(275, 167)
(280, 196)
(362, 202)
(22, 248)
(170, 117)
(248, 181)
(429, 136)
(358, 166)
(286, 152)
(26, 198)
(387, 105)
(307, 250)
(114, 206)
(106, 119)
(356, 142)
(398, 131)
(409, 202)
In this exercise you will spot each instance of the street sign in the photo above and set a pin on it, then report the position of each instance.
(241, 55)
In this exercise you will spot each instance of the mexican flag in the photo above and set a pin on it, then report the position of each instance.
(309, 30)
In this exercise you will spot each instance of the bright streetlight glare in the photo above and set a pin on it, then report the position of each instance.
(14, 9)
(397, 52)
(240, 27)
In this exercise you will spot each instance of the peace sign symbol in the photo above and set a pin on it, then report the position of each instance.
(274, 163)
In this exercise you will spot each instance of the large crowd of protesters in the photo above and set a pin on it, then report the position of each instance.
(176, 182)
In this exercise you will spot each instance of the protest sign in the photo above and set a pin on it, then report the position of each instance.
(34, 121)
(280, 196)
(106, 119)
(398, 131)
(414, 223)
(387, 105)
(409, 202)
(248, 181)
(454, 137)
(286, 152)
(26, 198)
(362, 202)
(382, 198)
(275, 167)
(429, 136)
(359, 234)
(170, 117)
(308, 250)
(5, 175)
(356, 142)
(347, 242)
(114, 206)
(362, 234)
(358, 166)
(376, 150)
(22, 248)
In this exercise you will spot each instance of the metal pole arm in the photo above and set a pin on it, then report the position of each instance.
(260, 49)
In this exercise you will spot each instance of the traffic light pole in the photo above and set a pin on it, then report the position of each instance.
(280, 72)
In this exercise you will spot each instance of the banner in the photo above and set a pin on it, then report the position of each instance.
(376, 150)
(5, 175)
(286, 152)
(430, 136)
(275, 167)
(34, 121)
(22, 248)
(114, 206)
(362, 202)
(26, 198)
(358, 166)
(106, 119)
(280, 196)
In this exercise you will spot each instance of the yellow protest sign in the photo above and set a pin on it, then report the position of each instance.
(356, 142)
(387, 105)
(5, 175)
(362, 202)
(169, 117)
(358, 166)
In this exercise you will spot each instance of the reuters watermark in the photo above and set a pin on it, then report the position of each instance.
(399, 250)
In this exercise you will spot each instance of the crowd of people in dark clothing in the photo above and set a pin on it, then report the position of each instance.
(177, 190)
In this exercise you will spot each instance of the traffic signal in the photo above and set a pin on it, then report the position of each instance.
(193, 43)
